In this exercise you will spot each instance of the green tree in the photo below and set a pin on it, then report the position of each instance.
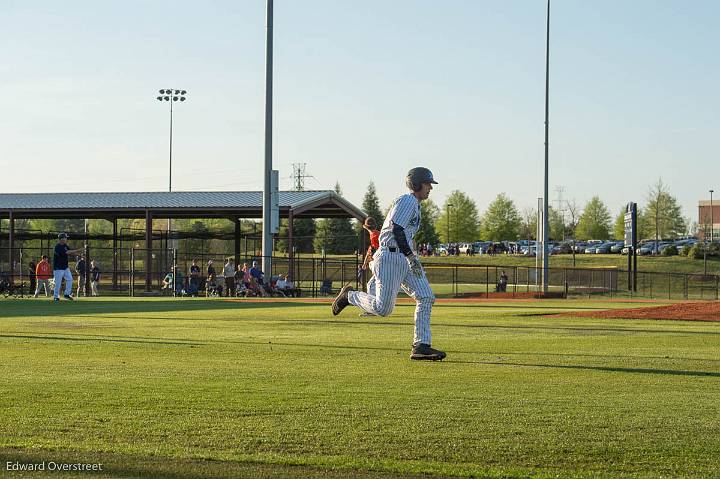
(304, 230)
(528, 224)
(429, 213)
(463, 220)
(501, 220)
(595, 221)
(336, 235)
(619, 229)
(371, 204)
(556, 222)
(663, 213)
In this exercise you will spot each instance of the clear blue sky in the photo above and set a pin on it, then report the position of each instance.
(363, 92)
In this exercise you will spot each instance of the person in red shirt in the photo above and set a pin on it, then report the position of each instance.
(371, 227)
(43, 273)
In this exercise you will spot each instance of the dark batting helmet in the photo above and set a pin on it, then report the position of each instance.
(417, 176)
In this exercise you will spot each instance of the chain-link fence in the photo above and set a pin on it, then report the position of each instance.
(124, 271)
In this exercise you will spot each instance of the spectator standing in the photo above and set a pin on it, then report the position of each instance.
(502, 284)
(61, 268)
(94, 277)
(229, 271)
(195, 274)
(246, 275)
(31, 275)
(43, 273)
(80, 270)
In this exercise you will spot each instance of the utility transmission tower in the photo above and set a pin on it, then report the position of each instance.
(299, 176)
(559, 190)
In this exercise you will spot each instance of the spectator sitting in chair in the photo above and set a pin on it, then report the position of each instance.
(168, 282)
(256, 272)
(286, 286)
(255, 289)
(211, 286)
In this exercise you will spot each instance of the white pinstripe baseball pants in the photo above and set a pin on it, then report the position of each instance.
(392, 272)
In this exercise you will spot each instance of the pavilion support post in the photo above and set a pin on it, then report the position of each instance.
(237, 241)
(148, 250)
(291, 247)
(11, 247)
(115, 258)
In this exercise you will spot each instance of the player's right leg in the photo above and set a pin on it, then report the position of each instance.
(58, 274)
(68, 283)
(419, 289)
(389, 269)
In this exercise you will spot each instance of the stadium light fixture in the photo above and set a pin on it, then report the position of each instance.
(167, 95)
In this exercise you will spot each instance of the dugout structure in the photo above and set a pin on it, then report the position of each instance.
(231, 205)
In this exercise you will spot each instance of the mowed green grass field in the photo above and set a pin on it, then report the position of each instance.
(212, 388)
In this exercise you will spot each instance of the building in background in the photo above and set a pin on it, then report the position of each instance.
(709, 219)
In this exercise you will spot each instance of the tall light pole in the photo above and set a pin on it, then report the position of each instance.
(712, 222)
(267, 198)
(171, 96)
(447, 208)
(457, 225)
(546, 226)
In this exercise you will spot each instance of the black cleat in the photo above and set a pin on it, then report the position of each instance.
(56, 299)
(69, 296)
(424, 351)
(342, 300)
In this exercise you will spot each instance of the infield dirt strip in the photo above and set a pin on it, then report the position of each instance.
(696, 311)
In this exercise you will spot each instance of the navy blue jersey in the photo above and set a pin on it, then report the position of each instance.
(60, 257)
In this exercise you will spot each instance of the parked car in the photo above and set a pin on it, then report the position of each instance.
(604, 248)
(580, 247)
(650, 247)
(590, 249)
(562, 248)
(617, 247)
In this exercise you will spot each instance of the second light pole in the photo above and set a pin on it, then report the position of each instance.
(171, 96)
(447, 207)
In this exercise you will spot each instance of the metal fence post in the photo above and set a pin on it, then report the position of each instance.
(132, 273)
(174, 272)
(487, 281)
(314, 291)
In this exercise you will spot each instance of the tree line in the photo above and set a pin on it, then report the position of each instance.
(457, 220)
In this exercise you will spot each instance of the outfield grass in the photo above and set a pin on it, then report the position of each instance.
(213, 388)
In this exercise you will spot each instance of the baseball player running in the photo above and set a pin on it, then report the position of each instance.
(61, 269)
(395, 266)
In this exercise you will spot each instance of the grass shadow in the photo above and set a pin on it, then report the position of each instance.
(29, 307)
(671, 372)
